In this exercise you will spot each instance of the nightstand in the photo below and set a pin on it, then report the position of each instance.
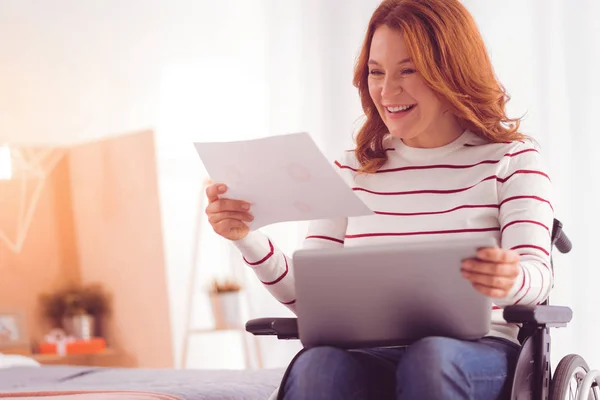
(90, 359)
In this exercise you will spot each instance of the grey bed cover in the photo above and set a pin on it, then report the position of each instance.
(187, 384)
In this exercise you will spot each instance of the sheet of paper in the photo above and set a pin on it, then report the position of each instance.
(285, 177)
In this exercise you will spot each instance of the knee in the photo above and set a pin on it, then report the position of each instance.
(431, 354)
(429, 365)
(319, 372)
(313, 362)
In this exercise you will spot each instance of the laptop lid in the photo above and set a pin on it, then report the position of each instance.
(388, 294)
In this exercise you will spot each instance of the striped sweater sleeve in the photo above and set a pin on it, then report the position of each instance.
(274, 268)
(526, 217)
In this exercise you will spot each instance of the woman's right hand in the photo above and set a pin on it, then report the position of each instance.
(226, 216)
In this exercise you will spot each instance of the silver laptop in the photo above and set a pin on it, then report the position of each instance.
(388, 295)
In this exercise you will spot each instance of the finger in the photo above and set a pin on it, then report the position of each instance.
(223, 205)
(226, 225)
(494, 269)
(495, 254)
(491, 292)
(213, 191)
(235, 215)
(494, 282)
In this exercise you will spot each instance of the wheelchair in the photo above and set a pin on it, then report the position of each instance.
(533, 378)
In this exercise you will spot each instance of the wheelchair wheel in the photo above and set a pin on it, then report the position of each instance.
(568, 377)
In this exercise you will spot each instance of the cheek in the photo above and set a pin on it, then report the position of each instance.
(426, 98)
(375, 94)
(418, 90)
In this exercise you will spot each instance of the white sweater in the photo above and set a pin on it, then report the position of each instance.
(468, 188)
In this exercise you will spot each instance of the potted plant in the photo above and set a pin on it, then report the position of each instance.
(225, 301)
(78, 309)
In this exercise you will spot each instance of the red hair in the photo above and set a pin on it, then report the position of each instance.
(448, 51)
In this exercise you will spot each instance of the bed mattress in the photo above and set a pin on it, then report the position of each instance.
(181, 384)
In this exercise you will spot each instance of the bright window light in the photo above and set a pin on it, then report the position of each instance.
(5, 163)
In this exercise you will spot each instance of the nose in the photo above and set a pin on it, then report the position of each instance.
(390, 87)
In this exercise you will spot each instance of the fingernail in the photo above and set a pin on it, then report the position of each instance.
(222, 188)
(245, 206)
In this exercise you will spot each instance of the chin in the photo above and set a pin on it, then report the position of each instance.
(403, 133)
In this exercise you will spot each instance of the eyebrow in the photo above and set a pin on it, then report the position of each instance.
(406, 60)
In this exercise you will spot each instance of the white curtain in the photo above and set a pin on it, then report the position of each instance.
(546, 54)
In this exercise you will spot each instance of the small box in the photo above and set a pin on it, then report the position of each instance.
(94, 345)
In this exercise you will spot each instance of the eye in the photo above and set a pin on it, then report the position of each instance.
(375, 72)
(408, 71)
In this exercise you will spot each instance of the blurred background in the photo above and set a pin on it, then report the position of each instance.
(102, 228)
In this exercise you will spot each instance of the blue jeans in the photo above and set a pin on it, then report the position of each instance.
(431, 368)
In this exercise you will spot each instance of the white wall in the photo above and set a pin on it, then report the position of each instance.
(73, 71)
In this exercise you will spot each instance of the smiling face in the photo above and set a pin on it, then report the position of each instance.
(410, 109)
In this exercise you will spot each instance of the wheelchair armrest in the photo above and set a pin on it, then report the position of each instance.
(551, 316)
(284, 328)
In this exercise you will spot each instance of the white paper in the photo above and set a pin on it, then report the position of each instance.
(285, 178)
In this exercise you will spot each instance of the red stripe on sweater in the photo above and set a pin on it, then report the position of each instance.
(437, 212)
(387, 149)
(521, 152)
(524, 221)
(526, 292)
(340, 166)
(534, 255)
(446, 191)
(523, 171)
(438, 166)
(528, 254)
(362, 235)
(449, 191)
(546, 265)
(541, 285)
(531, 246)
(537, 256)
(271, 251)
(475, 145)
(541, 273)
(526, 197)
(282, 275)
(522, 285)
(332, 239)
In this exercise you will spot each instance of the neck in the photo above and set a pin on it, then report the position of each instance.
(440, 134)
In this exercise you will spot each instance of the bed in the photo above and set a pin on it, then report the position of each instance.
(55, 382)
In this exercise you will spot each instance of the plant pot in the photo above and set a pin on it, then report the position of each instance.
(79, 326)
(226, 310)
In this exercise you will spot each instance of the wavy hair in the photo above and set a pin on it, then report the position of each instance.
(449, 53)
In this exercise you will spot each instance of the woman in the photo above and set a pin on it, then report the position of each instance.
(437, 158)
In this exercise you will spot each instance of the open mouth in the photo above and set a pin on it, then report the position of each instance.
(400, 109)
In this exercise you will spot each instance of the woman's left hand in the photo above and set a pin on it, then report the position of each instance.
(493, 272)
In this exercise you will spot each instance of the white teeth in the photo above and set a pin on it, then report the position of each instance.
(397, 109)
